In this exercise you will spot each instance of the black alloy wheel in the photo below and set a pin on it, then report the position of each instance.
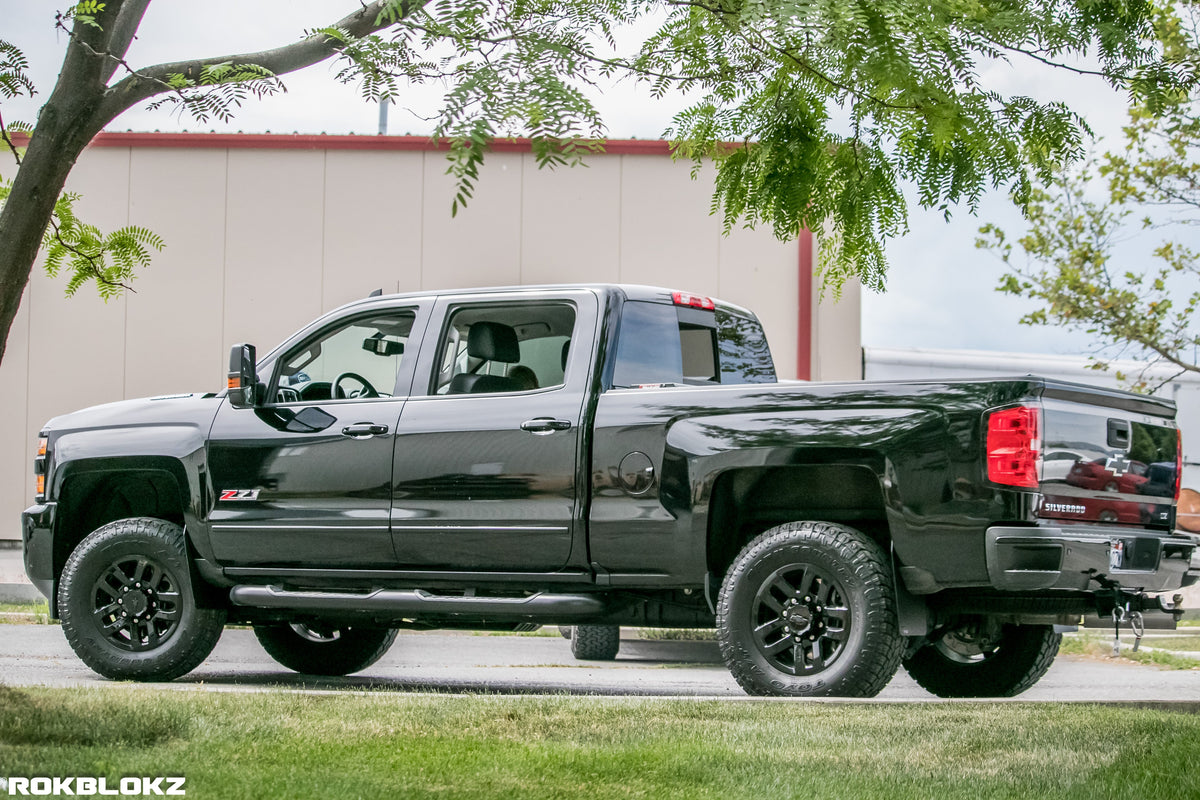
(128, 606)
(808, 609)
(801, 619)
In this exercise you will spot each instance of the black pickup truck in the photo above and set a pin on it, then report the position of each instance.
(595, 456)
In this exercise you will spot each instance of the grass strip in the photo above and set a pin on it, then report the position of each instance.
(25, 613)
(1096, 645)
(266, 745)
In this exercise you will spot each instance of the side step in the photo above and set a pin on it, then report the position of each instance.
(419, 604)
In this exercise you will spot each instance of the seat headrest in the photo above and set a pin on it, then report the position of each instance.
(493, 341)
(566, 350)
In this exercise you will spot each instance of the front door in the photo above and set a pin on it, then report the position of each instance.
(486, 461)
(305, 480)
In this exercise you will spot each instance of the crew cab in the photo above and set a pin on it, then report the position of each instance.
(596, 456)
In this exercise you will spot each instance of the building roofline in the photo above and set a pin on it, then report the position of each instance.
(299, 141)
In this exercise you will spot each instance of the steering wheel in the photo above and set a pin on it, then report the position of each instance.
(367, 389)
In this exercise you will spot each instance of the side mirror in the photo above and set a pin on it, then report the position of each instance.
(243, 377)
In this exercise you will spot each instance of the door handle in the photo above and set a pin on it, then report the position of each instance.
(364, 430)
(540, 426)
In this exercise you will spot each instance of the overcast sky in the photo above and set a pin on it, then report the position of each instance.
(940, 288)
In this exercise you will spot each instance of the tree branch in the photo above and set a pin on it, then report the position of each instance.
(145, 83)
(129, 18)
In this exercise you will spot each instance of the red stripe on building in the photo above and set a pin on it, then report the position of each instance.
(297, 141)
(804, 338)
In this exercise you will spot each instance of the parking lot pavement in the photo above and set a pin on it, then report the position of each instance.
(464, 662)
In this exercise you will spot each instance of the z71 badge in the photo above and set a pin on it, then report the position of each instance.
(239, 494)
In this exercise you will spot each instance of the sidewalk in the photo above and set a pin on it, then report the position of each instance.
(14, 585)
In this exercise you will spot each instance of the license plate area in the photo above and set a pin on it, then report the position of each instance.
(1134, 554)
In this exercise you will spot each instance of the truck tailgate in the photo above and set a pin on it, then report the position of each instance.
(1107, 458)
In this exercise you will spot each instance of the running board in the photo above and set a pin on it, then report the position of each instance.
(419, 604)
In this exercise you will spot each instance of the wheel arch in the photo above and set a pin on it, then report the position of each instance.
(95, 492)
(747, 501)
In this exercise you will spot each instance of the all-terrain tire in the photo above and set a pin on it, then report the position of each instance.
(1014, 664)
(128, 606)
(808, 609)
(332, 651)
(595, 642)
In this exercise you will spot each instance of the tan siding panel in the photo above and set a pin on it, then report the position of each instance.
(372, 224)
(174, 327)
(761, 273)
(481, 246)
(273, 244)
(571, 222)
(667, 235)
(77, 344)
(18, 426)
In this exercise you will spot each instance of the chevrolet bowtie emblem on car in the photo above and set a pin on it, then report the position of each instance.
(1117, 464)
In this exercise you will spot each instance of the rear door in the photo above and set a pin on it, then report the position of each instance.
(487, 462)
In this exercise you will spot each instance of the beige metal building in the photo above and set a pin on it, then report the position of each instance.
(265, 232)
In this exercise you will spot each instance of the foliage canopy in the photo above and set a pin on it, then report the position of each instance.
(1087, 261)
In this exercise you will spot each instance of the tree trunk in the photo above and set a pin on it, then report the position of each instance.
(65, 125)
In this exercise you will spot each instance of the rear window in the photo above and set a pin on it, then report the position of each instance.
(659, 344)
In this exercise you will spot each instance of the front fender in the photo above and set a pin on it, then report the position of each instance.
(176, 450)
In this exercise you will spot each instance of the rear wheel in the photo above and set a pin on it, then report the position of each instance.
(808, 609)
(127, 603)
(324, 649)
(595, 642)
(978, 660)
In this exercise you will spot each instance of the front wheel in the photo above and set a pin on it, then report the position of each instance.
(974, 659)
(808, 609)
(324, 650)
(127, 604)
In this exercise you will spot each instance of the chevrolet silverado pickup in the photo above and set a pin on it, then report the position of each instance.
(597, 456)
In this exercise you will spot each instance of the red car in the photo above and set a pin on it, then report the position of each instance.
(1096, 475)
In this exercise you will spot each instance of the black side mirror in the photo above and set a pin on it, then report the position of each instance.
(243, 377)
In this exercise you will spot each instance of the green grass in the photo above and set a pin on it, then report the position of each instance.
(678, 634)
(1182, 644)
(1096, 645)
(265, 745)
(25, 613)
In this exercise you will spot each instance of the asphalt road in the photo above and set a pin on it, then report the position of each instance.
(464, 662)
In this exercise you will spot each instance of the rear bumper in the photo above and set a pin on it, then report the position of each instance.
(37, 537)
(1071, 557)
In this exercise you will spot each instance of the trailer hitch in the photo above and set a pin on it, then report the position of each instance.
(1130, 607)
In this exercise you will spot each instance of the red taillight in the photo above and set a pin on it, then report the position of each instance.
(693, 300)
(1014, 447)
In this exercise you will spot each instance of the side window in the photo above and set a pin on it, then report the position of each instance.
(661, 344)
(360, 358)
(648, 346)
(487, 349)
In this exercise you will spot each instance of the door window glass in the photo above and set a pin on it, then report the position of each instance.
(488, 349)
(358, 359)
